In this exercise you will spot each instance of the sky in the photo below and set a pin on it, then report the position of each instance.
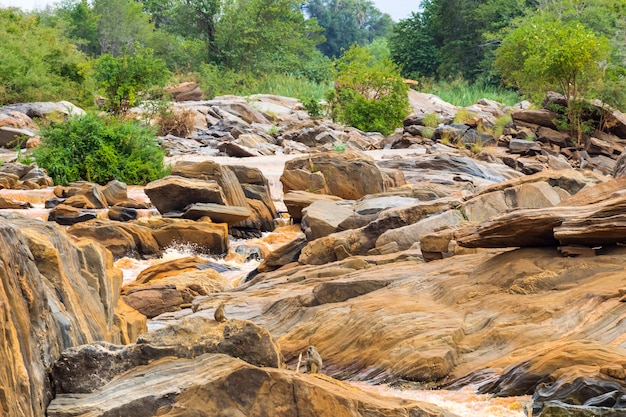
(397, 9)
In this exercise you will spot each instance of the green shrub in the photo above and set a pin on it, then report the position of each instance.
(313, 106)
(123, 79)
(369, 94)
(431, 120)
(100, 149)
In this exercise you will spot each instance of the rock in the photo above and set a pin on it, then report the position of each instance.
(174, 193)
(11, 137)
(346, 175)
(284, 255)
(216, 212)
(56, 293)
(297, 200)
(122, 239)
(153, 300)
(537, 117)
(556, 374)
(6, 203)
(523, 147)
(83, 195)
(423, 104)
(360, 241)
(211, 171)
(594, 225)
(551, 136)
(406, 236)
(122, 214)
(205, 237)
(45, 110)
(101, 362)
(187, 91)
(229, 386)
(67, 215)
(324, 217)
(115, 192)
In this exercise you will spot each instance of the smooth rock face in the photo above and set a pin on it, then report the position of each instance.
(173, 194)
(219, 385)
(55, 294)
(346, 175)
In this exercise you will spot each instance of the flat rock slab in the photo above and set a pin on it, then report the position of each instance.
(218, 213)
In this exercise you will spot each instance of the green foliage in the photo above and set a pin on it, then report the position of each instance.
(38, 63)
(369, 95)
(313, 106)
(122, 26)
(463, 115)
(99, 150)
(431, 120)
(460, 92)
(545, 54)
(500, 123)
(348, 22)
(123, 78)
(266, 36)
(216, 81)
(339, 147)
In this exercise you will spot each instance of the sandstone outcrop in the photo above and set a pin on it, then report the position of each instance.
(57, 294)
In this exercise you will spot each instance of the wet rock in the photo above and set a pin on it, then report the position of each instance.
(84, 195)
(122, 239)
(213, 384)
(203, 236)
(122, 214)
(67, 215)
(284, 255)
(8, 203)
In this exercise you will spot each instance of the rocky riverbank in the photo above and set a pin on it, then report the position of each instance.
(433, 267)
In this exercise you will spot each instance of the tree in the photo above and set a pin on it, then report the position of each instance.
(369, 94)
(265, 36)
(545, 54)
(122, 79)
(39, 63)
(348, 22)
(412, 47)
(122, 26)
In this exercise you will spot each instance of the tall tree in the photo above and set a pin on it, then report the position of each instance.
(265, 35)
(38, 63)
(348, 22)
(122, 25)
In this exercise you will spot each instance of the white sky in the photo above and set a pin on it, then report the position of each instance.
(397, 9)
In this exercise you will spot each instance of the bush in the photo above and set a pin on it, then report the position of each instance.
(122, 79)
(99, 150)
(369, 94)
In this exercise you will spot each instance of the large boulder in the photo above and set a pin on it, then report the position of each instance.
(175, 193)
(220, 385)
(56, 293)
(346, 175)
(203, 236)
(122, 239)
(87, 368)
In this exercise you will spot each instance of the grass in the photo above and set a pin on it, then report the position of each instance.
(462, 93)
